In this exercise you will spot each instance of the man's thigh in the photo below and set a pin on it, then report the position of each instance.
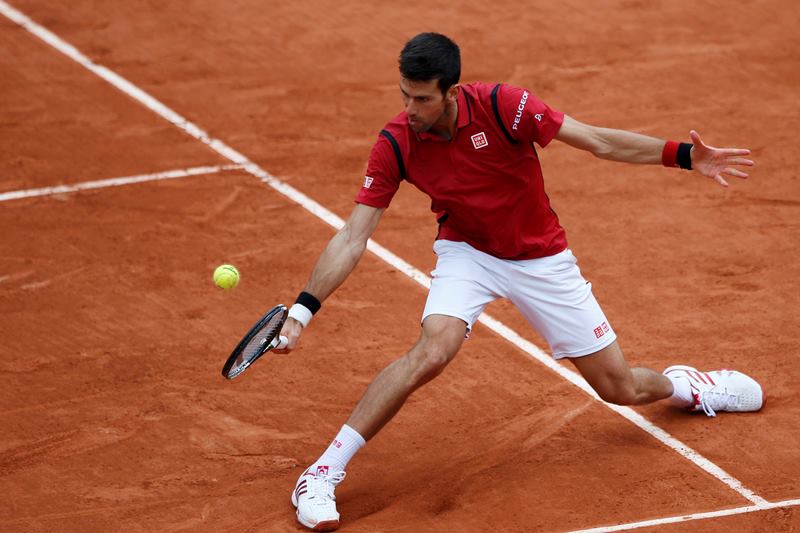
(461, 286)
(558, 302)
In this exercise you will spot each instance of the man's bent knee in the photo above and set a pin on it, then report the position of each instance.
(608, 374)
(441, 339)
(619, 394)
(429, 362)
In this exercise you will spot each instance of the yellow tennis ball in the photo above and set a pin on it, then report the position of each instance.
(226, 276)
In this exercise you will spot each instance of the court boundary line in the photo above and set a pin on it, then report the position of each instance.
(694, 516)
(387, 256)
(115, 182)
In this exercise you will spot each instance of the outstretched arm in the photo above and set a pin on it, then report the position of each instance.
(629, 147)
(337, 261)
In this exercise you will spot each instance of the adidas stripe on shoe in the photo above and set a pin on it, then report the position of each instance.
(720, 390)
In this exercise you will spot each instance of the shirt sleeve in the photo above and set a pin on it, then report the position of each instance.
(383, 176)
(528, 118)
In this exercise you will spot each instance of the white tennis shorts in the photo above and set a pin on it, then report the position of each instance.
(550, 292)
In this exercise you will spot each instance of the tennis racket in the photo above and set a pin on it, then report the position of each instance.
(261, 338)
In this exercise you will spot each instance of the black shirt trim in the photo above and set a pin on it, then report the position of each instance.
(496, 110)
(397, 153)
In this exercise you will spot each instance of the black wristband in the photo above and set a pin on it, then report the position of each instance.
(309, 301)
(684, 156)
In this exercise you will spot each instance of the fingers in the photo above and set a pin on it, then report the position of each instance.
(740, 161)
(696, 140)
(291, 343)
(728, 152)
(279, 342)
(735, 173)
(735, 151)
(291, 330)
(714, 162)
(719, 179)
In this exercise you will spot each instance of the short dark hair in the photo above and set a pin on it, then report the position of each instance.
(430, 56)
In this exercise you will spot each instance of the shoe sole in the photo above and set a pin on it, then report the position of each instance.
(327, 525)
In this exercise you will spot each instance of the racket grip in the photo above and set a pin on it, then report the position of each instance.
(279, 343)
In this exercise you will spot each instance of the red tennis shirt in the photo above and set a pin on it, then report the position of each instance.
(486, 184)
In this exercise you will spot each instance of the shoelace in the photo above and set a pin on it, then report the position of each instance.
(712, 401)
(323, 485)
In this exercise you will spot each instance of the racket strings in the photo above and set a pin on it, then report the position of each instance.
(257, 341)
(261, 339)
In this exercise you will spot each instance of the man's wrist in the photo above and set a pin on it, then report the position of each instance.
(304, 308)
(685, 156)
(677, 154)
(300, 313)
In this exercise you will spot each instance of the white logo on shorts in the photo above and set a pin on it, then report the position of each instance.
(479, 140)
(367, 182)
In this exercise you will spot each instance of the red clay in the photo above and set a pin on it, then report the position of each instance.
(115, 416)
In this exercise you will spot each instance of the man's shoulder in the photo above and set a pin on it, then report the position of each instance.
(483, 90)
(478, 88)
(396, 129)
(398, 124)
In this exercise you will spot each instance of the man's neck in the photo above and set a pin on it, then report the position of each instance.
(446, 126)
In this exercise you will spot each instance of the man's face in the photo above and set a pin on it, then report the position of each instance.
(424, 103)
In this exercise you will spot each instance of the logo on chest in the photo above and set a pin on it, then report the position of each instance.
(479, 140)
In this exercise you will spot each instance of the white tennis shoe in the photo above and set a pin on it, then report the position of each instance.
(720, 390)
(313, 496)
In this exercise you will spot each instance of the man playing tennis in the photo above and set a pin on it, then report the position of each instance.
(470, 148)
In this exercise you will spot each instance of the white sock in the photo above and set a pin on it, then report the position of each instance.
(681, 391)
(341, 450)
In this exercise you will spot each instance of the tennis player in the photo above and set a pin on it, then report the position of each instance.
(470, 147)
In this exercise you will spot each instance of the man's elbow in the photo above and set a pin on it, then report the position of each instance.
(601, 148)
(355, 242)
(593, 141)
(357, 247)
(598, 144)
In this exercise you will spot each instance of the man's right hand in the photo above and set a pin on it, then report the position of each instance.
(291, 330)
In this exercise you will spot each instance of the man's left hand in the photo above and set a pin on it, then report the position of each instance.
(714, 162)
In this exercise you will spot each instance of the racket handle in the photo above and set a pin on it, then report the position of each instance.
(279, 343)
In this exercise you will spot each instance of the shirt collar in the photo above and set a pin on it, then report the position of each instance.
(464, 109)
(464, 116)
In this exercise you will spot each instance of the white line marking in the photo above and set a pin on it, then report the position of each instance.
(335, 221)
(114, 182)
(688, 517)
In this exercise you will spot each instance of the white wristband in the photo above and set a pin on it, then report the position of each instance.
(300, 313)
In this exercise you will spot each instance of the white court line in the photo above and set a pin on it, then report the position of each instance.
(335, 221)
(695, 516)
(114, 182)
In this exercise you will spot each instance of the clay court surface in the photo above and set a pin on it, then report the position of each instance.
(113, 412)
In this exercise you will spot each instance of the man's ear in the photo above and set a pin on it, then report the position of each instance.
(452, 93)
